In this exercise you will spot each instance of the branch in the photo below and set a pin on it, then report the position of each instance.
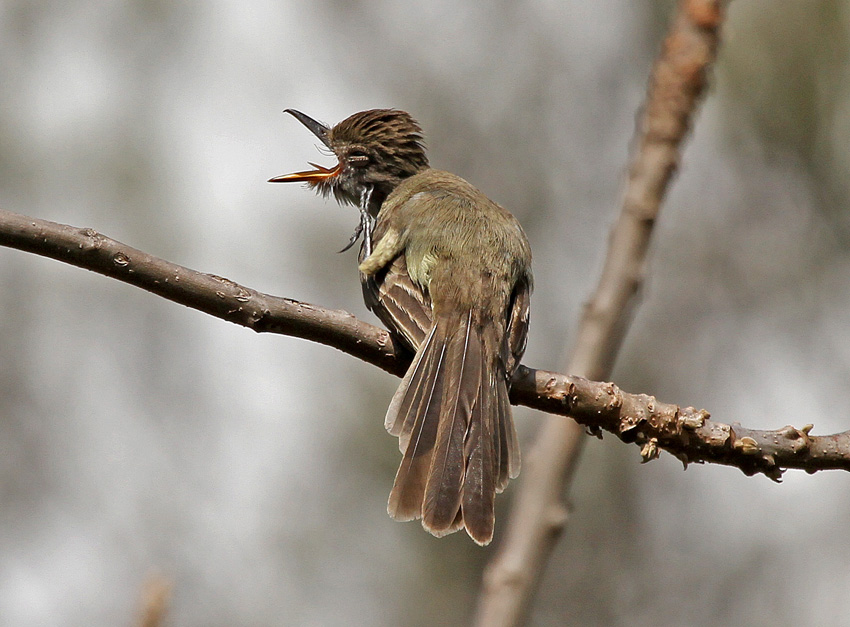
(686, 432)
(215, 295)
(539, 512)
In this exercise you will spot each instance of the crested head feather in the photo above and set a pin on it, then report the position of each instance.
(377, 150)
(394, 134)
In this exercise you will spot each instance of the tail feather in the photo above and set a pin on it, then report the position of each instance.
(453, 419)
(501, 454)
(509, 454)
(509, 439)
(463, 373)
(481, 449)
(421, 406)
(425, 400)
(400, 403)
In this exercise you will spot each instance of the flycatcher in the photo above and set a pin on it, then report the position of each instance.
(449, 272)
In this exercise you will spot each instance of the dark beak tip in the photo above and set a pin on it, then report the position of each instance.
(317, 128)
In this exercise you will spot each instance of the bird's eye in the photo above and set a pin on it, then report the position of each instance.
(358, 158)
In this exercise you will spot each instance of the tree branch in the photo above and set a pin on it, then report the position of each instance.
(539, 512)
(215, 295)
(686, 432)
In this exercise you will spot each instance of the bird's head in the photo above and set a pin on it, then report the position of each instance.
(376, 150)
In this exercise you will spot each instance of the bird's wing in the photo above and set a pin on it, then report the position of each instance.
(514, 348)
(402, 305)
(517, 332)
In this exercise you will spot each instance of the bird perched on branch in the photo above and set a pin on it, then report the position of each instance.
(449, 272)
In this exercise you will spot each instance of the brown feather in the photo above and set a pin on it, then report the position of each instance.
(463, 372)
(509, 439)
(402, 399)
(479, 484)
(402, 306)
(417, 403)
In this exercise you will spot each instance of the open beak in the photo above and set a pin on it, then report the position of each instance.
(320, 173)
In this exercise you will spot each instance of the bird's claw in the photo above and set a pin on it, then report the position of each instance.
(358, 230)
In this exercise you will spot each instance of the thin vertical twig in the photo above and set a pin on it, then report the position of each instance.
(539, 513)
(155, 601)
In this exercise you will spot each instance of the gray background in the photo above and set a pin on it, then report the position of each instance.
(139, 437)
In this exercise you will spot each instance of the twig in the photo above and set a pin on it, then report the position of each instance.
(156, 597)
(539, 513)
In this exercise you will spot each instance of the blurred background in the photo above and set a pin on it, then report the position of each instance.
(140, 439)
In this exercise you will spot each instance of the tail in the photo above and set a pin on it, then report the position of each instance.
(452, 416)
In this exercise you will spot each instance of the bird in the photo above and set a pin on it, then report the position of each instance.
(448, 271)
